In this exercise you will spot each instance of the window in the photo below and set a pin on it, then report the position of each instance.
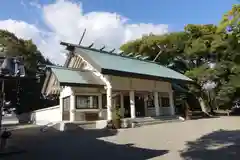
(66, 109)
(86, 101)
(104, 101)
(165, 101)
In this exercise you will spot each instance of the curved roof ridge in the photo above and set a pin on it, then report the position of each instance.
(106, 52)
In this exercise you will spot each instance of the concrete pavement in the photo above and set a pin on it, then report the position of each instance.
(203, 139)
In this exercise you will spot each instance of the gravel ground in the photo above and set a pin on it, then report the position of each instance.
(216, 138)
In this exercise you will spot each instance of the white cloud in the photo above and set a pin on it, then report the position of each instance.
(45, 41)
(66, 20)
(35, 3)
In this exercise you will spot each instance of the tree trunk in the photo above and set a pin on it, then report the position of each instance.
(204, 108)
(210, 102)
(186, 111)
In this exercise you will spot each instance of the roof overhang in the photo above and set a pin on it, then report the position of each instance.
(50, 88)
(141, 76)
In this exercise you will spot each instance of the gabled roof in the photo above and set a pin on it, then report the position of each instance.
(74, 77)
(118, 65)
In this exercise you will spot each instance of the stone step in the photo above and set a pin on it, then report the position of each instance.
(161, 118)
(153, 122)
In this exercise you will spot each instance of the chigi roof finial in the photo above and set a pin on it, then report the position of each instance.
(102, 48)
(112, 51)
(82, 36)
(90, 46)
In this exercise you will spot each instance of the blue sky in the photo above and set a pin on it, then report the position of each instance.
(176, 13)
(47, 22)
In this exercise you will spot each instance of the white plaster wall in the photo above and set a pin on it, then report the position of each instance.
(124, 83)
(46, 115)
(104, 113)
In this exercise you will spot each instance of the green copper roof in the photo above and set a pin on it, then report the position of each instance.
(109, 63)
(113, 64)
(73, 76)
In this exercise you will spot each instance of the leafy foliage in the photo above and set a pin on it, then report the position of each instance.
(13, 46)
(205, 53)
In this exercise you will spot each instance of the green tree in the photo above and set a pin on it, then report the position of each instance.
(202, 53)
(12, 46)
(187, 52)
(230, 19)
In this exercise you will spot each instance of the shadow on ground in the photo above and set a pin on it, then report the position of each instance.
(220, 145)
(74, 145)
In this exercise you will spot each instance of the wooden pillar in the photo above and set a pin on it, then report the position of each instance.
(91, 101)
(132, 104)
(156, 104)
(145, 105)
(171, 101)
(72, 108)
(61, 107)
(160, 104)
(109, 103)
(122, 104)
(100, 114)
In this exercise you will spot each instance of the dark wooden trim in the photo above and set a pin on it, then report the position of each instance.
(81, 85)
(141, 76)
(86, 108)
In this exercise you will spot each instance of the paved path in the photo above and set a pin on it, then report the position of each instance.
(220, 133)
(197, 139)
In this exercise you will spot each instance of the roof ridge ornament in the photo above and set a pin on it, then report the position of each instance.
(137, 56)
(112, 51)
(90, 46)
(101, 49)
(144, 58)
(82, 36)
(130, 54)
(121, 53)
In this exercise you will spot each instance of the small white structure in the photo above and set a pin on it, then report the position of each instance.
(94, 82)
(46, 115)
